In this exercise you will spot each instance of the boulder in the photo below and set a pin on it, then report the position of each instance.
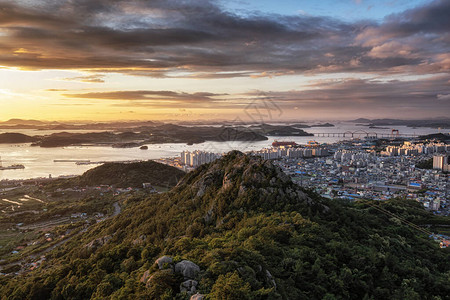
(97, 243)
(227, 182)
(187, 268)
(189, 286)
(140, 240)
(145, 277)
(163, 260)
(197, 297)
(208, 217)
(270, 279)
(242, 190)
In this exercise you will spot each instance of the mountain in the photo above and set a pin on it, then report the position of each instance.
(433, 123)
(239, 228)
(279, 130)
(435, 136)
(125, 175)
(361, 120)
(23, 122)
(13, 138)
(323, 125)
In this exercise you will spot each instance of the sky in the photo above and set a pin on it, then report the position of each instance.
(264, 60)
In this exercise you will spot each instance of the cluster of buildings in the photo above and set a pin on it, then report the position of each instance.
(412, 149)
(353, 171)
(197, 158)
(353, 157)
(291, 152)
(441, 162)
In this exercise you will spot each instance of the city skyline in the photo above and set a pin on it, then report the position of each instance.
(122, 60)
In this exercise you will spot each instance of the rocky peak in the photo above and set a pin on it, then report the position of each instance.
(240, 181)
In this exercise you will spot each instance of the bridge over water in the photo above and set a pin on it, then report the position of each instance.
(361, 133)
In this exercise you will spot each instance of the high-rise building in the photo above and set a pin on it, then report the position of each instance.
(197, 158)
(439, 161)
(185, 158)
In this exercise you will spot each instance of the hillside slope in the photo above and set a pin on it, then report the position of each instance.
(238, 228)
(126, 175)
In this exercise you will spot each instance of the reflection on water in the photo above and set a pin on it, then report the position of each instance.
(39, 161)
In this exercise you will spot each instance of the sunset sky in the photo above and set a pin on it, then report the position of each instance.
(136, 59)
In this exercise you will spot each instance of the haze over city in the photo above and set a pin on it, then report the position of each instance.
(116, 60)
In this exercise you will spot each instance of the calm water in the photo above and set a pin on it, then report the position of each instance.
(38, 161)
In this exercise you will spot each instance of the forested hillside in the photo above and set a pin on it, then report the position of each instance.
(126, 175)
(238, 228)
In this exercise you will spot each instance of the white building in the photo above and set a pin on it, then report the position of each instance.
(440, 162)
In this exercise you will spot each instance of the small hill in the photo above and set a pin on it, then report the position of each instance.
(128, 175)
(435, 136)
(279, 130)
(62, 139)
(323, 125)
(13, 138)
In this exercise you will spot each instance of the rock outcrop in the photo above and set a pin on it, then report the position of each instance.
(164, 261)
(189, 286)
(197, 297)
(97, 243)
(187, 268)
(145, 277)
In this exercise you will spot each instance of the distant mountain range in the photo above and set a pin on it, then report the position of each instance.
(23, 122)
(53, 125)
(143, 133)
(433, 123)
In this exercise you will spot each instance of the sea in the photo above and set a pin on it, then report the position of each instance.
(39, 162)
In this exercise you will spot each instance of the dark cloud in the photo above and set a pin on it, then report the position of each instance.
(419, 36)
(149, 36)
(158, 96)
(433, 18)
(157, 37)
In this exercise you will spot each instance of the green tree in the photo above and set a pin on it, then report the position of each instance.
(230, 287)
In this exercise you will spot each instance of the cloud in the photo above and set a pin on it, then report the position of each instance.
(392, 49)
(155, 97)
(56, 90)
(419, 35)
(88, 79)
(349, 96)
(161, 38)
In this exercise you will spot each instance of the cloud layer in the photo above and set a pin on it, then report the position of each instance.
(198, 36)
